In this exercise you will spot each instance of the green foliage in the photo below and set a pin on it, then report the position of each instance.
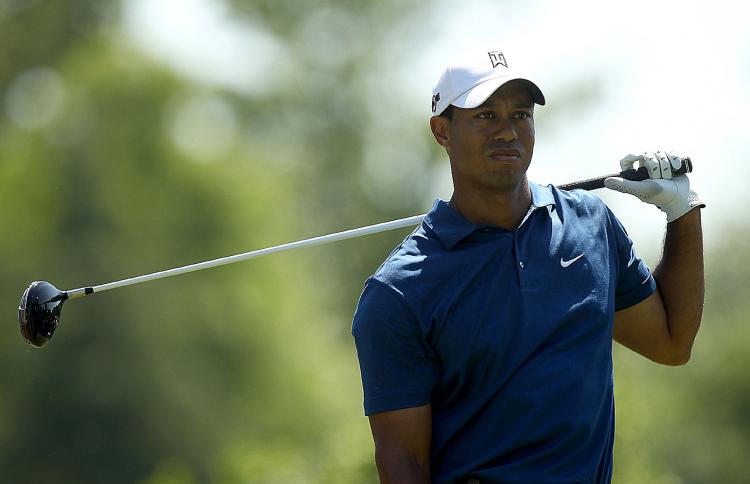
(691, 424)
(241, 374)
(248, 373)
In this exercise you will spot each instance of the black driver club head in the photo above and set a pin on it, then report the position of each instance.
(39, 312)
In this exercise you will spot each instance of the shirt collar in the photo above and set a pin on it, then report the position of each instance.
(541, 196)
(451, 227)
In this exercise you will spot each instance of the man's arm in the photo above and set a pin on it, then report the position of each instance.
(663, 326)
(402, 445)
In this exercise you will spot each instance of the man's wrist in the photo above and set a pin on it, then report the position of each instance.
(691, 218)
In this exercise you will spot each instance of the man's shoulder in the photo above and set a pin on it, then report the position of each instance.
(577, 196)
(406, 262)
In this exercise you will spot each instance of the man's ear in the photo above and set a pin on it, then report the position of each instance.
(439, 126)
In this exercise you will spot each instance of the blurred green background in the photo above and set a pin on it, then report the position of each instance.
(137, 136)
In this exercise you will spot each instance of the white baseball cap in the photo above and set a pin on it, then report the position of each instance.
(473, 77)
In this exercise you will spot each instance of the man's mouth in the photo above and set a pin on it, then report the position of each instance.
(505, 155)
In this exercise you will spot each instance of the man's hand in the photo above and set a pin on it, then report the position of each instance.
(672, 194)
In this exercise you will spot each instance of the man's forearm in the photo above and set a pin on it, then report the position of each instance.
(680, 280)
(401, 468)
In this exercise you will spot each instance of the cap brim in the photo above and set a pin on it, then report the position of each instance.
(479, 93)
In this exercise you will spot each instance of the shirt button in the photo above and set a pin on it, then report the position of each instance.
(521, 264)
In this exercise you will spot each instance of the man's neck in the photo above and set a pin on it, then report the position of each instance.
(502, 209)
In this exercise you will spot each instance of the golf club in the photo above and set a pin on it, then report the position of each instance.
(41, 303)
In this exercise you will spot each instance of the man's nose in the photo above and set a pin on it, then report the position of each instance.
(504, 129)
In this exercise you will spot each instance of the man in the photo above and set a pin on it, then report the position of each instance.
(485, 338)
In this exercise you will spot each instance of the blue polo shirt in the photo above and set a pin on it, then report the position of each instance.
(508, 335)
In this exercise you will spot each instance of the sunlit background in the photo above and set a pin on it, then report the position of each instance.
(141, 135)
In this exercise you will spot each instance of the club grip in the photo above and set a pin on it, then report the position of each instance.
(632, 175)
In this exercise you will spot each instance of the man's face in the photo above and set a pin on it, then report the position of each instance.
(490, 147)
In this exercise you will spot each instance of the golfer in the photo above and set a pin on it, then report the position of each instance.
(485, 338)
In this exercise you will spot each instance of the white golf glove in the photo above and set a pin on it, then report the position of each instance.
(672, 194)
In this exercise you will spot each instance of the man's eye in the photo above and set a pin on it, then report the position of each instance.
(523, 115)
(486, 115)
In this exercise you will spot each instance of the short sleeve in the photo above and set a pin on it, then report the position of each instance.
(634, 280)
(397, 364)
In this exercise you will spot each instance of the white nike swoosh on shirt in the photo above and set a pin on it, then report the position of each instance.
(566, 263)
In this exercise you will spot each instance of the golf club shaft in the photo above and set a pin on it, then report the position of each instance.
(323, 239)
(590, 184)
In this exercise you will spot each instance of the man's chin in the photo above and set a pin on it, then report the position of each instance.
(505, 182)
